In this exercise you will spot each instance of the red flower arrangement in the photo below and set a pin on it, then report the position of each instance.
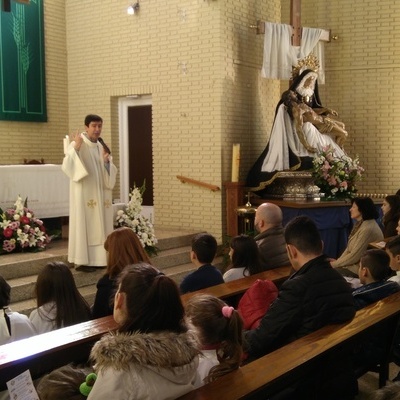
(20, 230)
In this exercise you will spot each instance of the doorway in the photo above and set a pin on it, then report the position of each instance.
(136, 154)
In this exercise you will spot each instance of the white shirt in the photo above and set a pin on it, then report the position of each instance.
(21, 327)
(234, 273)
(43, 318)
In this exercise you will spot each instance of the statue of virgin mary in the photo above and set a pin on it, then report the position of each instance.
(302, 128)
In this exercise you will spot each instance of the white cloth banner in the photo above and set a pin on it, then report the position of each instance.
(279, 54)
(45, 186)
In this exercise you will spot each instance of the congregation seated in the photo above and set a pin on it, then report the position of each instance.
(244, 256)
(59, 303)
(315, 295)
(392, 248)
(153, 355)
(13, 326)
(123, 248)
(373, 273)
(219, 331)
(270, 238)
(391, 215)
(202, 254)
(365, 231)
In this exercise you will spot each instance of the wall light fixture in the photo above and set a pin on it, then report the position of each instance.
(133, 8)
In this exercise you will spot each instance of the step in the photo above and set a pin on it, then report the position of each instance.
(23, 287)
(23, 264)
(26, 306)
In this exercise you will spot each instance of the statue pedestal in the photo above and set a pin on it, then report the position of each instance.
(292, 185)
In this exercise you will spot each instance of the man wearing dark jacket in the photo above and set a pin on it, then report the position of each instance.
(314, 296)
(270, 239)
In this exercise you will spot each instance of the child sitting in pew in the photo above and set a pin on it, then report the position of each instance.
(59, 303)
(13, 326)
(153, 355)
(373, 273)
(219, 328)
(202, 254)
(392, 248)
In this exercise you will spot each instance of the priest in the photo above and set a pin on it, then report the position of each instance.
(92, 174)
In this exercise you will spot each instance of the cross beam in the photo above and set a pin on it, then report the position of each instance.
(295, 22)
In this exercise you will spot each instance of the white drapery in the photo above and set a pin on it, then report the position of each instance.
(280, 55)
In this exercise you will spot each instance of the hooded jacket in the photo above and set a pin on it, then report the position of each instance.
(158, 365)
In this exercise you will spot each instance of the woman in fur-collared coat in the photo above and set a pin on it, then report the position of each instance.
(153, 355)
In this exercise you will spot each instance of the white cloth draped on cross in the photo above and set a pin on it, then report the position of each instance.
(280, 55)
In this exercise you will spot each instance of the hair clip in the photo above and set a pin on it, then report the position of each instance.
(86, 386)
(227, 311)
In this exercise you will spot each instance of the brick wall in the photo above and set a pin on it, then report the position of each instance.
(200, 61)
(362, 81)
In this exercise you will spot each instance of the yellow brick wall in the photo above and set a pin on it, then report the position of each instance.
(201, 62)
(362, 81)
(33, 140)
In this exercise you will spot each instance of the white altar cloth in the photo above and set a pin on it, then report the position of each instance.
(45, 186)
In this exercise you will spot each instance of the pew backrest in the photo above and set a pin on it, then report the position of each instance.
(45, 352)
(239, 286)
(272, 373)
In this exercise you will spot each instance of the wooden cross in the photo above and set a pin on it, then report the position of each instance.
(295, 22)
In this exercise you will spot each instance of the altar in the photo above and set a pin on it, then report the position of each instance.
(45, 186)
(331, 217)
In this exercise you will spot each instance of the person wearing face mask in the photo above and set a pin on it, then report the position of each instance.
(88, 165)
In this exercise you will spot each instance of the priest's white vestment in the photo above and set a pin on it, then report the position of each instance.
(91, 212)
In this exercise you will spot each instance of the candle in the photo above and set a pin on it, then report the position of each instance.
(235, 162)
(66, 144)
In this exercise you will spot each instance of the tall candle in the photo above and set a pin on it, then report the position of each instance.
(235, 162)
(66, 143)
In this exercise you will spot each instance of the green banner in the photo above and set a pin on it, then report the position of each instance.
(22, 64)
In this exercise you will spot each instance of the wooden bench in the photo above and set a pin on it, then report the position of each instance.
(297, 360)
(41, 354)
(239, 286)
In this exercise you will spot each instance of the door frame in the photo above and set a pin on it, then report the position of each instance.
(123, 104)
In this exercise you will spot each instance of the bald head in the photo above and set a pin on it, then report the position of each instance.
(268, 215)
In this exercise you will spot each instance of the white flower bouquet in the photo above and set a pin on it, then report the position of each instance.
(132, 218)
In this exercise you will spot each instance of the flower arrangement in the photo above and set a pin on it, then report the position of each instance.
(20, 230)
(336, 177)
(132, 218)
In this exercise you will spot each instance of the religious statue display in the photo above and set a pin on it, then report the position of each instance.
(302, 129)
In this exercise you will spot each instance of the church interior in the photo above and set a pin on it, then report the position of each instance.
(196, 64)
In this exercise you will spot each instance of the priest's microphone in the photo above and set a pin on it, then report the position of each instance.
(106, 148)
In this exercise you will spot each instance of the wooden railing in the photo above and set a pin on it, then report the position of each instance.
(184, 179)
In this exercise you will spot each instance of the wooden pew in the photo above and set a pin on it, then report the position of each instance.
(276, 371)
(41, 354)
(239, 286)
(380, 245)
